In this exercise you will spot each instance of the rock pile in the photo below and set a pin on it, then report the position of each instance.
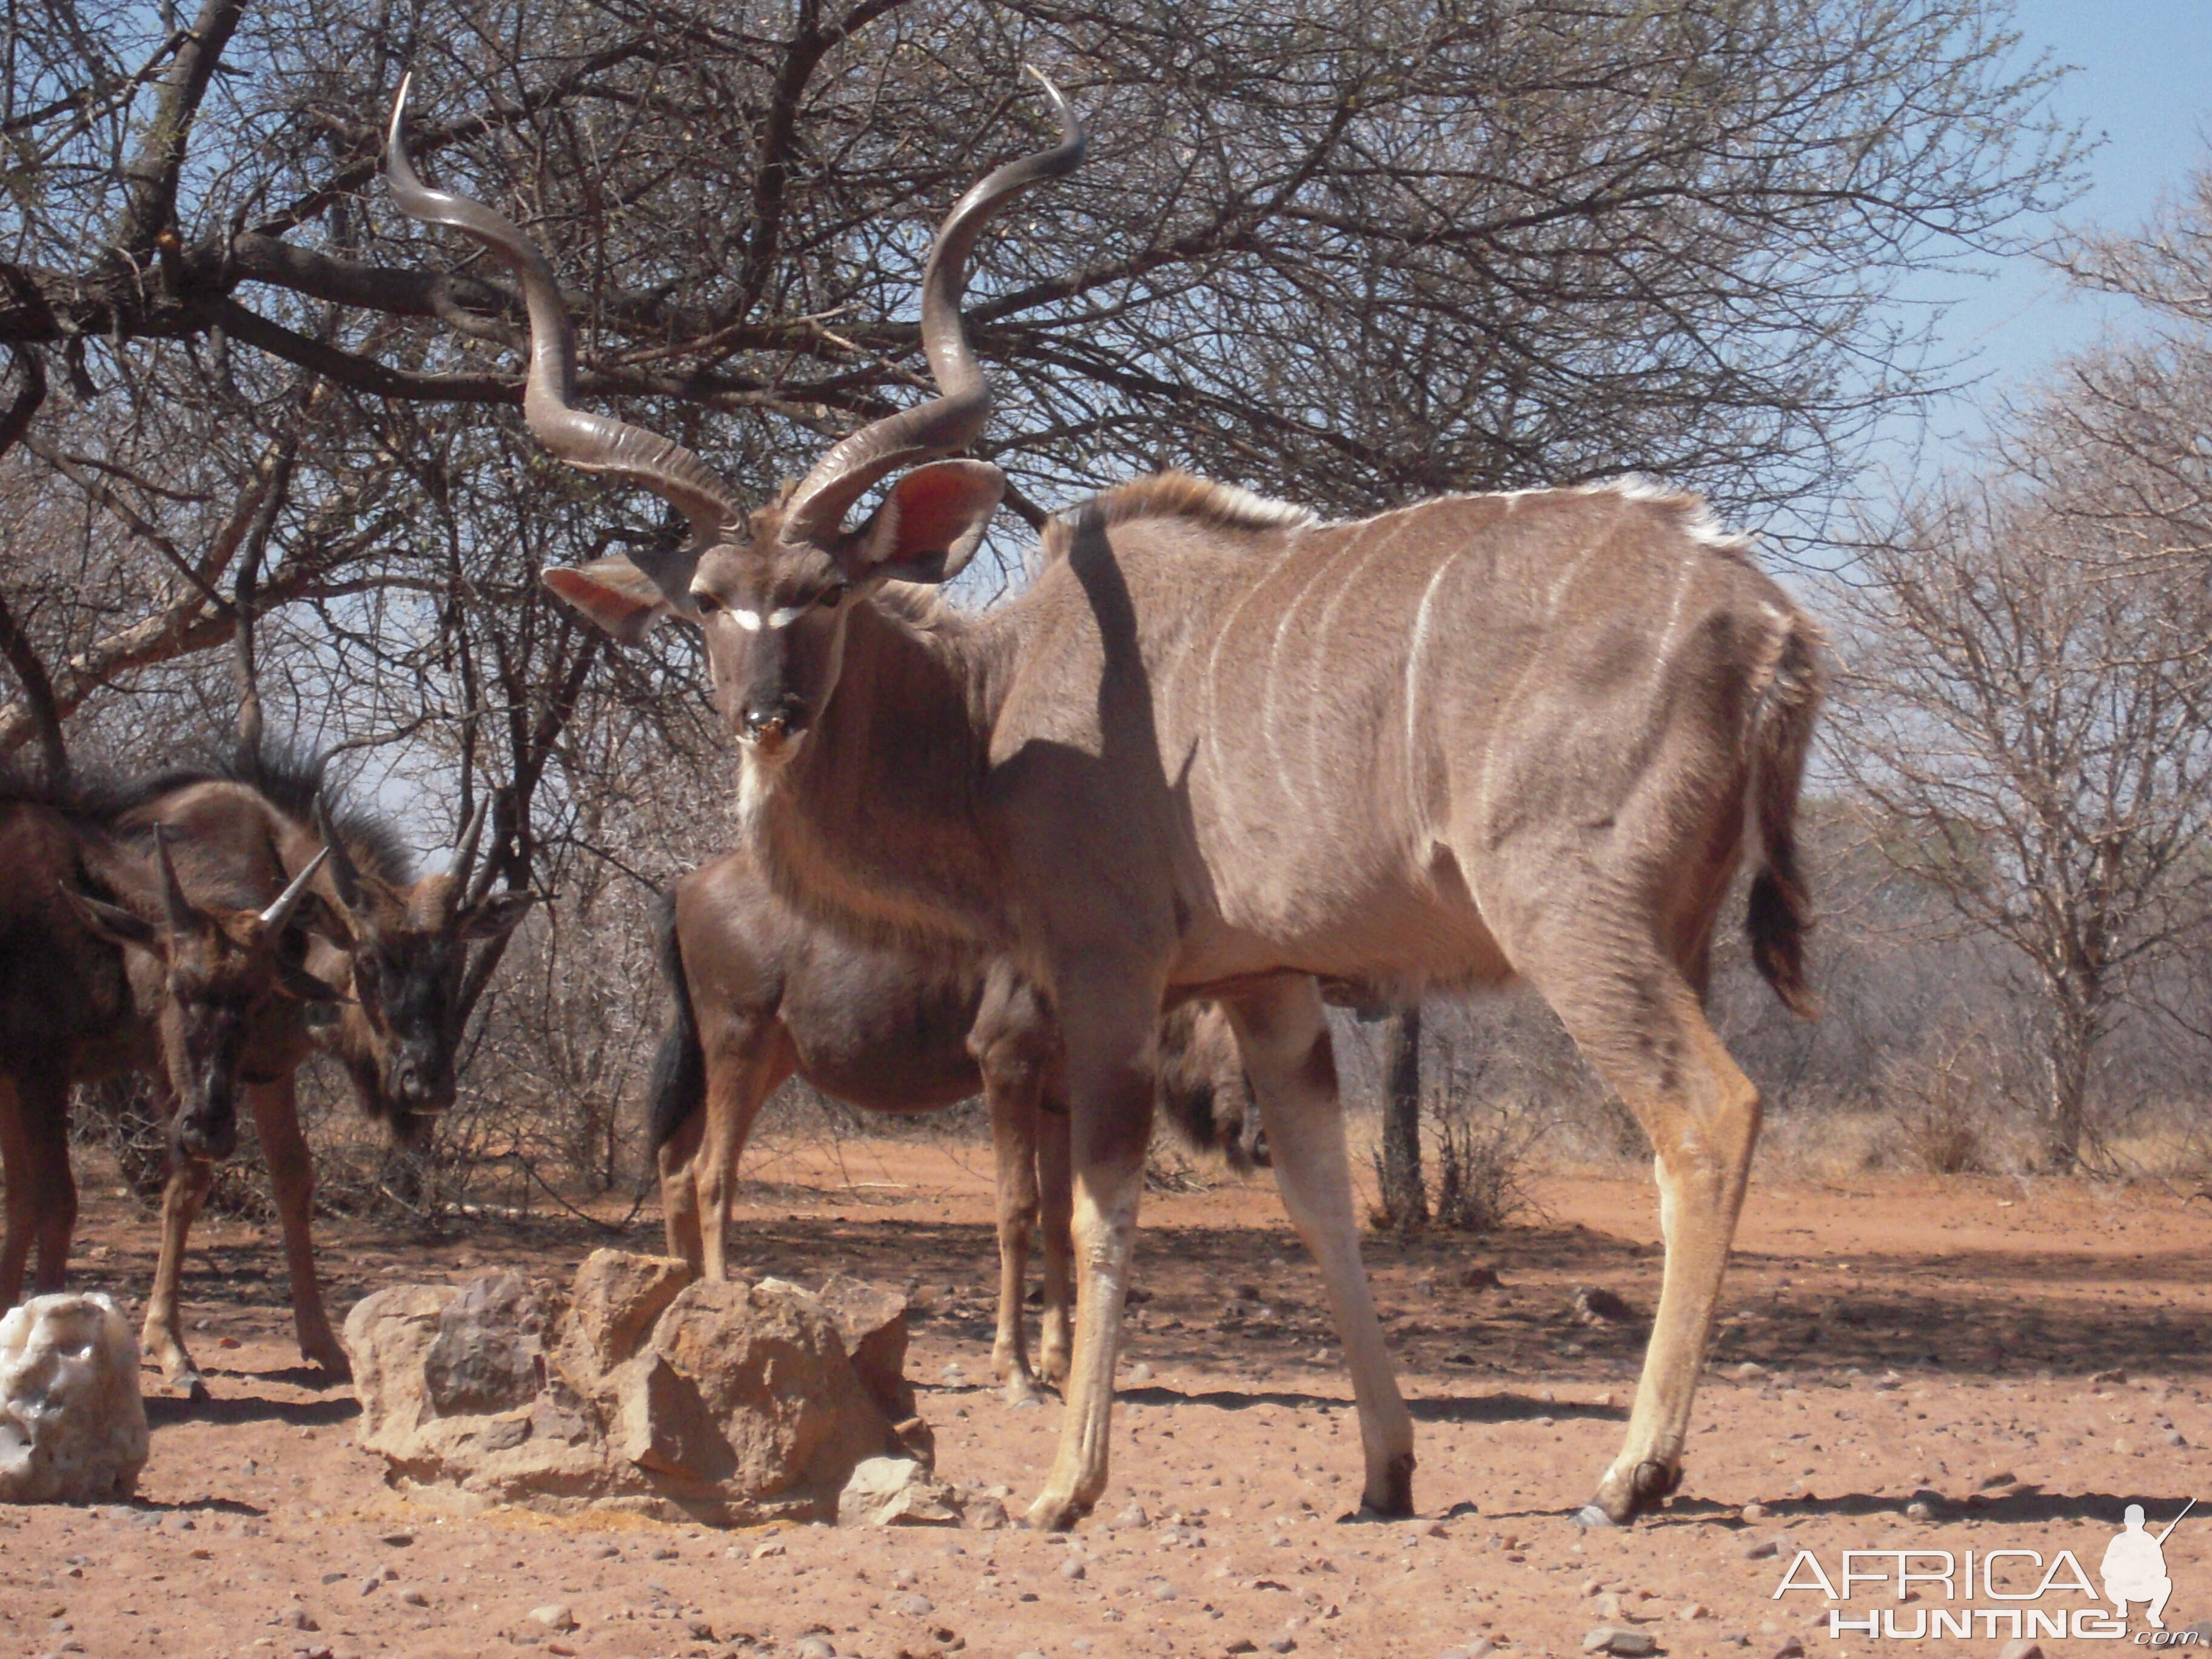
(730, 1403)
(72, 1423)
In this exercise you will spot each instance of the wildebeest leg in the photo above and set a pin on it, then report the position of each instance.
(679, 1193)
(292, 1178)
(182, 1194)
(1055, 1185)
(22, 1201)
(1111, 1031)
(1638, 1020)
(1283, 1036)
(742, 1073)
(43, 1102)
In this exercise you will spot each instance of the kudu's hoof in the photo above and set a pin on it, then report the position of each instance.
(1051, 1513)
(191, 1385)
(1620, 1502)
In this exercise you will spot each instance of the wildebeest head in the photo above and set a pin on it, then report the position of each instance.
(768, 587)
(209, 973)
(411, 945)
(1203, 1090)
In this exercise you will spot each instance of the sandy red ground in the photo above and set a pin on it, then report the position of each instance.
(1916, 1336)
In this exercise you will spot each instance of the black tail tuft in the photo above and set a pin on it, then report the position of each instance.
(1780, 913)
(678, 1085)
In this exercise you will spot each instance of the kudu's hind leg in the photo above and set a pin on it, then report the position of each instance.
(1640, 1023)
(1014, 1146)
(292, 1177)
(679, 1191)
(1056, 1190)
(182, 1194)
(1283, 1036)
(1011, 1044)
(741, 1075)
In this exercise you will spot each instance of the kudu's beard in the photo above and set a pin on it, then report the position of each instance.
(760, 773)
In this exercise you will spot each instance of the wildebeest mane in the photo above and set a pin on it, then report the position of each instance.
(289, 776)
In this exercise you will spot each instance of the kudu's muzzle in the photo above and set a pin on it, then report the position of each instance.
(207, 1129)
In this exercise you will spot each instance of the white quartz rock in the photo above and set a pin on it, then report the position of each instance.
(72, 1423)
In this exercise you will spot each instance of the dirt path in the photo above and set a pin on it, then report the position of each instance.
(1903, 1338)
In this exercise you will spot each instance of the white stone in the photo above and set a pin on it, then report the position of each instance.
(72, 1422)
(889, 1491)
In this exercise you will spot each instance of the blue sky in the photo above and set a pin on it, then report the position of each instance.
(2142, 80)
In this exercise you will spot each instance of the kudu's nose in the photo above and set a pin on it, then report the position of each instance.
(772, 724)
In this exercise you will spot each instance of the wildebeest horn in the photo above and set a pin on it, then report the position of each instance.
(464, 849)
(175, 907)
(279, 912)
(592, 443)
(343, 875)
(817, 509)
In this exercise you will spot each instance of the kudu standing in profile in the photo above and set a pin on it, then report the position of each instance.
(106, 966)
(1217, 745)
(401, 968)
(758, 994)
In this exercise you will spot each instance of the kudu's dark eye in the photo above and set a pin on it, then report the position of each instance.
(707, 603)
(831, 597)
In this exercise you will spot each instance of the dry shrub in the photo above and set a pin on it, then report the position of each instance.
(1944, 1104)
(1483, 1151)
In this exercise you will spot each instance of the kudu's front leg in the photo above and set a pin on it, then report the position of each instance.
(1014, 1146)
(1111, 1059)
(1283, 1034)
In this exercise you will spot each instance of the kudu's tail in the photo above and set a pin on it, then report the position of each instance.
(678, 1085)
(1780, 913)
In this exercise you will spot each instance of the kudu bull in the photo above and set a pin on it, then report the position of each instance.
(1220, 746)
(401, 970)
(758, 993)
(107, 966)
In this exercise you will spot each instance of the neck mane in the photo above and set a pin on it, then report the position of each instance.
(875, 827)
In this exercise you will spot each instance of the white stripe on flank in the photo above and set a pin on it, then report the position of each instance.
(1413, 661)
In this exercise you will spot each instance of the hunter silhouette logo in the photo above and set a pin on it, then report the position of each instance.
(2134, 1568)
(1998, 1594)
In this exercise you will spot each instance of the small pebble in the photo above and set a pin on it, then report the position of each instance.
(415, 1598)
(914, 1606)
(762, 1552)
(1134, 1515)
(813, 1647)
(554, 1615)
(1163, 1591)
(1282, 1644)
(1753, 1511)
(1761, 1549)
(1615, 1639)
(1140, 1373)
(1072, 1569)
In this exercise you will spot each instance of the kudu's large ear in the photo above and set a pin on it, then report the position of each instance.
(929, 526)
(112, 922)
(617, 596)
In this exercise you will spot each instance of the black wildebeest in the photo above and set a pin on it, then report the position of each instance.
(107, 966)
(403, 967)
(1221, 746)
(758, 994)
(391, 953)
